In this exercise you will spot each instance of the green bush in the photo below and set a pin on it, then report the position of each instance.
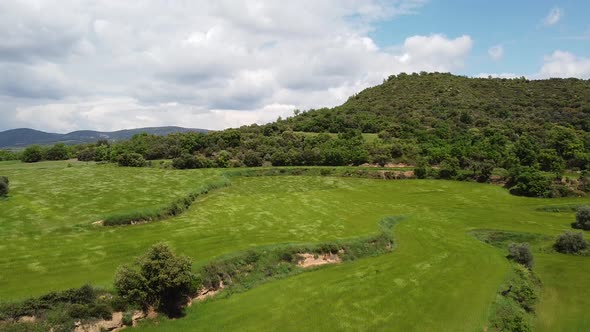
(528, 181)
(521, 253)
(449, 169)
(131, 159)
(57, 152)
(252, 159)
(159, 278)
(582, 218)
(570, 243)
(128, 319)
(4, 183)
(88, 154)
(32, 154)
(189, 161)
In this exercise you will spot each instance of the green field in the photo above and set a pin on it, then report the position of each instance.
(439, 277)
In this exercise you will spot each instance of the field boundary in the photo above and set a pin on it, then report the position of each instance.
(180, 205)
(223, 276)
(174, 208)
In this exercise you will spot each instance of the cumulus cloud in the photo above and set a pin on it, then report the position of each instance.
(496, 52)
(554, 16)
(70, 64)
(564, 64)
(496, 75)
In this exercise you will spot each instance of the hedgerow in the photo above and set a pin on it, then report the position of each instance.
(174, 208)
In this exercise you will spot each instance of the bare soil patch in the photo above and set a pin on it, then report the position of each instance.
(205, 293)
(113, 324)
(310, 260)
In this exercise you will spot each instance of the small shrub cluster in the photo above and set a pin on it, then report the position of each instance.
(189, 161)
(175, 208)
(582, 218)
(32, 154)
(35, 153)
(59, 310)
(256, 266)
(4, 183)
(131, 159)
(503, 239)
(514, 307)
(323, 171)
(570, 243)
(521, 253)
(159, 279)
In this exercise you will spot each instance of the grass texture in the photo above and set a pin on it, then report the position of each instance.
(440, 276)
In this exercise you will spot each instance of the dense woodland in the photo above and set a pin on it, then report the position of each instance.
(527, 132)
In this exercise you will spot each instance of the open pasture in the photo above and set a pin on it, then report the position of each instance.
(439, 277)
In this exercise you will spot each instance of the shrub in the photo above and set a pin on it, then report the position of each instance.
(127, 319)
(189, 161)
(3, 186)
(32, 154)
(528, 181)
(87, 154)
(252, 159)
(521, 253)
(57, 152)
(421, 172)
(583, 218)
(131, 159)
(159, 279)
(449, 169)
(570, 243)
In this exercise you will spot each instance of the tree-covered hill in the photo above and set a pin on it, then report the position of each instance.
(429, 100)
(448, 126)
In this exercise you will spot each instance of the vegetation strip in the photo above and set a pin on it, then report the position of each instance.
(180, 205)
(514, 306)
(246, 270)
(66, 310)
(175, 208)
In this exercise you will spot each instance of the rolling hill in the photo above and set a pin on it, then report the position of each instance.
(410, 102)
(25, 136)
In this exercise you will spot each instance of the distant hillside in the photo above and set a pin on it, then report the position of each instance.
(424, 101)
(25, 136)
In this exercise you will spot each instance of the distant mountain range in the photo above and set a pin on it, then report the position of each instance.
(25, 136)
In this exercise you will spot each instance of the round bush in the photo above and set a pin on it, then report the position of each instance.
(131, 159)
(32, 154)
(583, 218)
(521, 253)
(3, 186)
(570, 243)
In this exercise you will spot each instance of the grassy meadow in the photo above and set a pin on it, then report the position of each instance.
(439, 277)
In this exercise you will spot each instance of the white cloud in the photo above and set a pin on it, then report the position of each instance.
(73, 64)
(564, 64)
(72, 114)
(496, 75)
(496, 52)
(554, 16)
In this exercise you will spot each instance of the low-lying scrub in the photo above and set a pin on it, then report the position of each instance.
(559, 208)
(325, 171)
(582, 218)
(163, 281)
(175, 208)
(514, 307)
(246, 270)
(571, 243)
(4, 186)
(59, 310)
(503, 239)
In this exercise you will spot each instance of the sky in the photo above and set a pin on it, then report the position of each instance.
(68, 65)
